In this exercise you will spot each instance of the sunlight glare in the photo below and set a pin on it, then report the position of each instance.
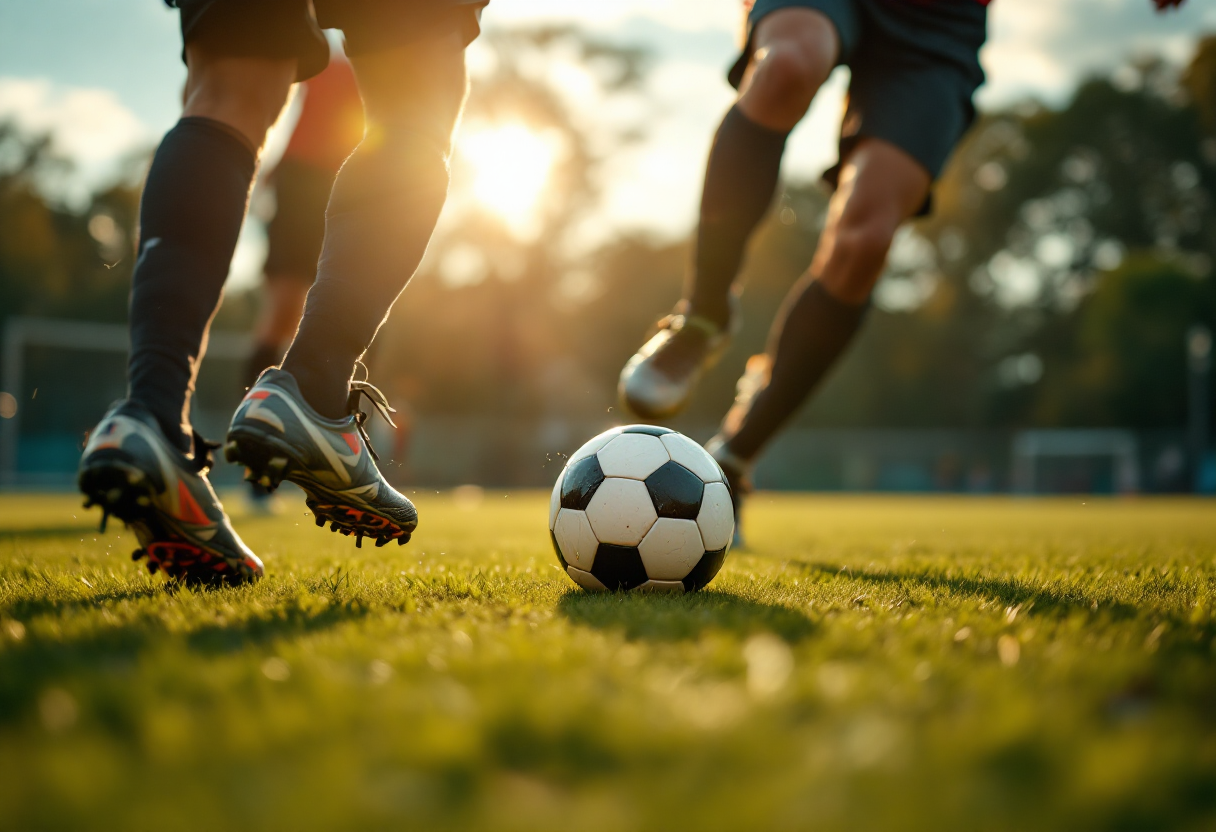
(511, 165)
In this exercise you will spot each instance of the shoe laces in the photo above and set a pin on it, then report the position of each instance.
(364, 389)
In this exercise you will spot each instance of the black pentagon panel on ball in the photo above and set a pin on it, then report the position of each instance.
(649, 430)
(675, 491)
(580, 482)
(619, 567)
(558, 550)
(704, 571)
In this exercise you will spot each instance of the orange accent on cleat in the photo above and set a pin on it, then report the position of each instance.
(352, 442)
(191, 511)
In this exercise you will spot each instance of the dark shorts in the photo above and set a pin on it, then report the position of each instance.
(295, 233)
(292, 28)
(915, 67)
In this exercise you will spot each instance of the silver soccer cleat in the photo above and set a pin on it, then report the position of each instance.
(659, 380)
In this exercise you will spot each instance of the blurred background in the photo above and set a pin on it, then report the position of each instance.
(1048, 329)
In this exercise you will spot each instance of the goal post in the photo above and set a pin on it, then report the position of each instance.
(1032, 447)
(22, 333)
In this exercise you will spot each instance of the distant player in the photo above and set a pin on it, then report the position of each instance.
(329, 127)
(144, 463)
(915, 65)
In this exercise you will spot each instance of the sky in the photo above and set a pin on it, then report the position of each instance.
(105, 77)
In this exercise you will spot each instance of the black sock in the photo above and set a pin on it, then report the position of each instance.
(263, 356)
(740, 181)
(810, 333)
(189, 218)
(383, 209)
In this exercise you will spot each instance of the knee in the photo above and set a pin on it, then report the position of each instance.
(864, 236)
(245, 93)
(790, 72)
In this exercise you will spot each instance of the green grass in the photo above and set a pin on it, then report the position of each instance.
(871, 663)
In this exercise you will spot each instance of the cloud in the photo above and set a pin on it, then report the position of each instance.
(91, 127)
(1043, 48)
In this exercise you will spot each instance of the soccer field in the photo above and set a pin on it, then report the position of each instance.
(870, 663)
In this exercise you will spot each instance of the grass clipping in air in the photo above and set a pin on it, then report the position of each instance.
(870, 663)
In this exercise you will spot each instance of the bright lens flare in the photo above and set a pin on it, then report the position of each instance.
(511, 166)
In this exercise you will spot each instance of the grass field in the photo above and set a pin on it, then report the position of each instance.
(871, 663)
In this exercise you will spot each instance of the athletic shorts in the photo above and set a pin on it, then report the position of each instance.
(292, 28)
(295, 233)
(915, 67)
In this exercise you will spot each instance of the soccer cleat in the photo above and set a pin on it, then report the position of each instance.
(277, 436)
(134, 474)
(738, 474)
(659, 380)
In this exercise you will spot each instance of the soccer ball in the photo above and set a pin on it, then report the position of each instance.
(641, 507)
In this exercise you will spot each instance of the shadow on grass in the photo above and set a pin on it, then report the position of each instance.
(676, 617)
(1011, 592)
(74, 655)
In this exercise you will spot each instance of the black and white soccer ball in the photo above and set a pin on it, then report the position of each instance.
(641, 507)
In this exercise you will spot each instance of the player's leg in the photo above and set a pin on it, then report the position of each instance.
(302, 422)
(792, 50)
(191, 213)
(384, 206)
(880, 187)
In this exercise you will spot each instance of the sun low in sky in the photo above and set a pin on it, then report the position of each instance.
(511, 166)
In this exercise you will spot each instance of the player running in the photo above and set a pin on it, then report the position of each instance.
(915, 67)
(144, 463)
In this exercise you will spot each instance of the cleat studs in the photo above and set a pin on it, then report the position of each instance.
(264, 481)
(333, 527)
(135, 477)
(137, 554)
(89, 503)
(143, 501)
(380, 541)
(359, 540)
(152, 567)
(113, 495)
(231, 450)
(249, 477)
(320, 521)
(105, 515)
(401, 541)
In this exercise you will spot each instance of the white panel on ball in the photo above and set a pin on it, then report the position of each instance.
(633, 455)
(575, 538)
(671, 549)
(661, 586)
(586, 580)
(555, 499)
(621, 512)
(692, 456)
(591, 446)
(717, 517)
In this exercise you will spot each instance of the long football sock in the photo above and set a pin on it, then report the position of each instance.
(809, 335)
(740, 181)
(190, 216)
(384, 206)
